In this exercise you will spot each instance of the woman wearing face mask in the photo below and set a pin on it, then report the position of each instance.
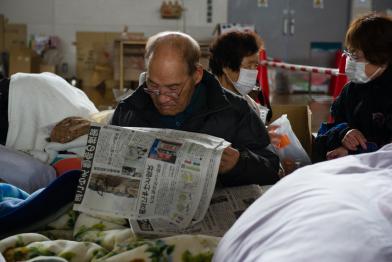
(234, 58)
(363, 111)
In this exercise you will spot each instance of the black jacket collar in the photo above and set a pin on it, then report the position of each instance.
(385, 79)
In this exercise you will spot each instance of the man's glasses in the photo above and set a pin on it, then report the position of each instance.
(156, 90)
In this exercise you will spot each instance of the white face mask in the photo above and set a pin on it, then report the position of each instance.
(355, 71)
(246, 81)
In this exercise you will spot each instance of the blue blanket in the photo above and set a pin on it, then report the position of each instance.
(19, 210)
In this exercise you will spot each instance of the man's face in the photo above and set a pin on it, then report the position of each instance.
(171, 85)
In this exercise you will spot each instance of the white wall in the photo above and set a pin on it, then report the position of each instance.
(65, 17)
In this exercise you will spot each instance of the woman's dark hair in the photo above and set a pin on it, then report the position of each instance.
(372, 34)
(230, 48)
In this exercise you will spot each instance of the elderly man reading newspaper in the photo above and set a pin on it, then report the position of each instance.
(164, 183)
(179, 94)
(158, 163)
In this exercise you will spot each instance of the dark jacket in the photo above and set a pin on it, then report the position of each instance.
(223, 114)
(366, 107)
(4, 90)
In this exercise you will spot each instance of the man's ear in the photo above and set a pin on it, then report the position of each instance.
(142, 78)
(198, 74)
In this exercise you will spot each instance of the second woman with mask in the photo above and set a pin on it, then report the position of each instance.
(363, 111)
(234, 59)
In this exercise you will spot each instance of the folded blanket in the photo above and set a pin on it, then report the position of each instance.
(179, 248)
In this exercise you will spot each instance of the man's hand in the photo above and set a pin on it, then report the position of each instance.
(274, 137)
(336, 153)
(289, 165)
(229, 159)
(354, 138)
(69, 128)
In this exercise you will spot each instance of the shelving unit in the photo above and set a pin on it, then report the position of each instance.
(136, 49)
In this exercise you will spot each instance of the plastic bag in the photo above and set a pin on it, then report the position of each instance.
(287, 144)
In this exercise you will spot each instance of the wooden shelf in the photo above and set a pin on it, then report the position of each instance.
(138, 45)
(136, 48)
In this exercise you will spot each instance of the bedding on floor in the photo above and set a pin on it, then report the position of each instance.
(337, 210)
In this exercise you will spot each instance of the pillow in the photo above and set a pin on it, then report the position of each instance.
(24, 171)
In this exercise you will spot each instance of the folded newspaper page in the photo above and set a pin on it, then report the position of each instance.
(147, 174)
(226, 206)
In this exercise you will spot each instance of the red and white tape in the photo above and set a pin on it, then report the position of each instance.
(302, 68)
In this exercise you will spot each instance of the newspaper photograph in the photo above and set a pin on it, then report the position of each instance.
(147, 174)
(226, 206)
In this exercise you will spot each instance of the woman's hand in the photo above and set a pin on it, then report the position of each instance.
(353, 139)
(336, 153)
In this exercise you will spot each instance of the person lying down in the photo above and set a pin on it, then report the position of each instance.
(30, 104)
(36, 102)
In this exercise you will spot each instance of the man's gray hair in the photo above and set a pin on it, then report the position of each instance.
(185, 45)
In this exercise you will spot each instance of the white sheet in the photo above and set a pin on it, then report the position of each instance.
(76, 146)
(37, 101)
(339, 210)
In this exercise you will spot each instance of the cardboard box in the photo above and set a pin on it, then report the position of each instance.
(15, 36)
(93, 49)
(320, 107)
(101, 96)
(47, 68)
(101, 74)
(23, 60)
(300, 118)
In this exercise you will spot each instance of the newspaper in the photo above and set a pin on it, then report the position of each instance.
(226, 206)
(146, 174)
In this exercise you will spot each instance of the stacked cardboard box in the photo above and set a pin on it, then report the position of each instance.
(13, 39)
(94, 53)
(47, 68)
(15, 36)
(12, 35)
(23, 59)
(98, 63)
